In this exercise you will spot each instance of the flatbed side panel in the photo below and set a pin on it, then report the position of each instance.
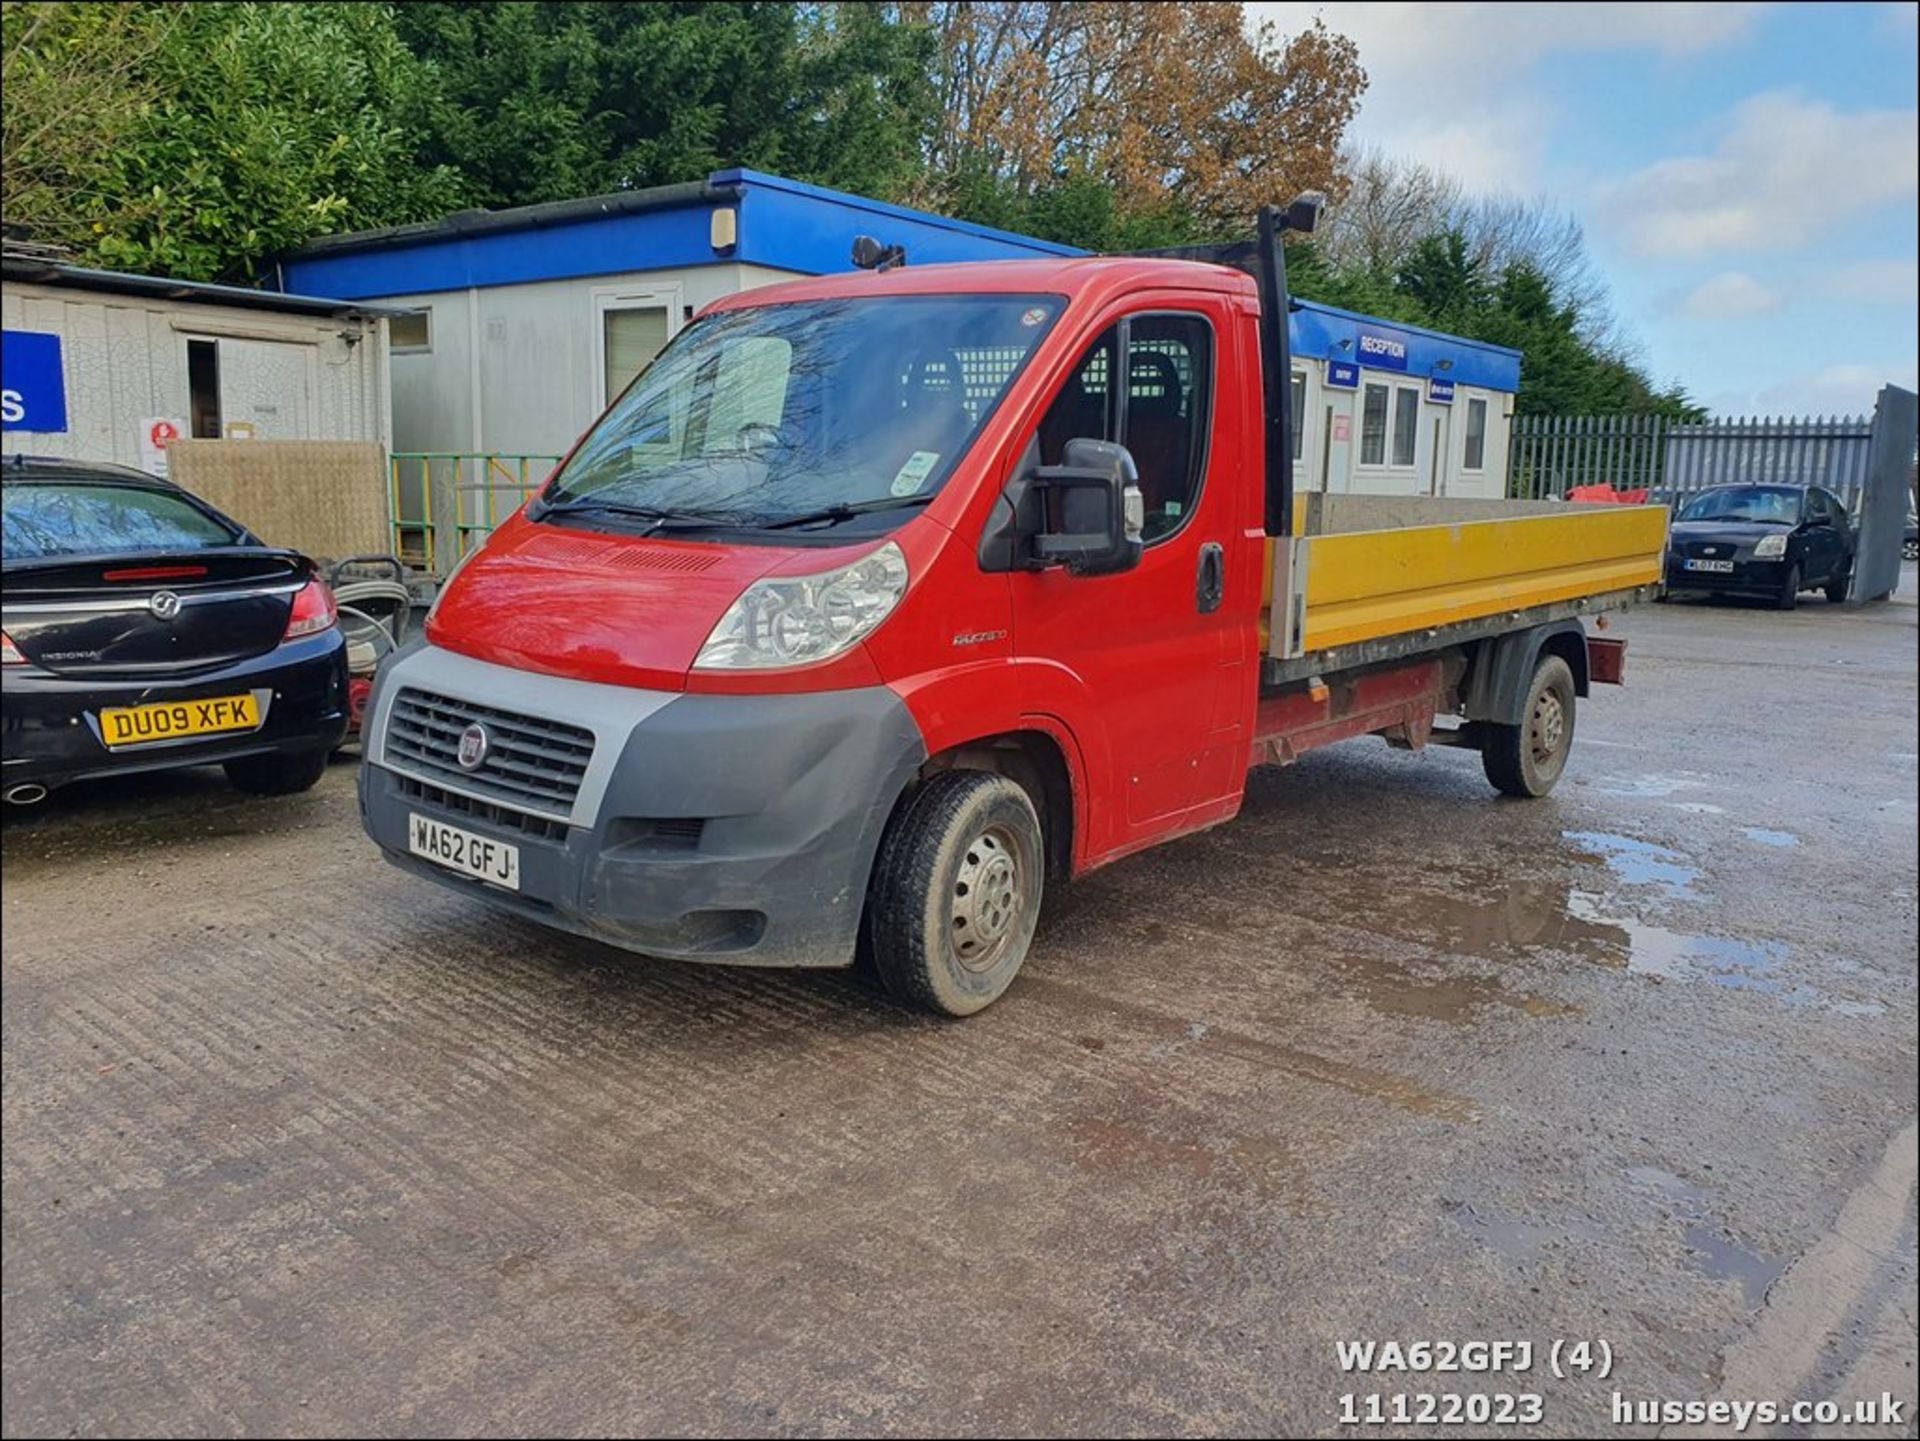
(1369, 584)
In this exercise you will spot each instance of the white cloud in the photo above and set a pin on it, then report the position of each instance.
(1875, 282)
(1451, 85)
(1847, 389)
(1730, 295)
(1788, 171)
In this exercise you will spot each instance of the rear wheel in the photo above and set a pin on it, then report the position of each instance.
(1789, 596)
(956, 892)
(1837, 587)
(278, 775)
(1526, 759)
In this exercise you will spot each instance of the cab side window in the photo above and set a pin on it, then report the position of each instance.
(1148, 384)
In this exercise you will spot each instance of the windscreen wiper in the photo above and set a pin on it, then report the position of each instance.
(846, 510)
(659, 518)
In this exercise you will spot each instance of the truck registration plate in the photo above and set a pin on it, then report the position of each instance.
(481, 857)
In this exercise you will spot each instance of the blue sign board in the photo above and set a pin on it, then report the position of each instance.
(33, 387)
(1342, 375)
(1439, 391)
(1383, 349)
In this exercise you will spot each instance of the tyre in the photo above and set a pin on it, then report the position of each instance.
(1526, 759)
(1789, 596)
(283, 774)
(956, 892)
(1836, 589)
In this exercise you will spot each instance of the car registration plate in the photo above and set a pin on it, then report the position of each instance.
(1722, 566)
(169, 720)
(481, 857)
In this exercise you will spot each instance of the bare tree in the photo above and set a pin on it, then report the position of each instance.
(1392, 202)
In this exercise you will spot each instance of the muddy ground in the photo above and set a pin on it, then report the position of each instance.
(297, 1144)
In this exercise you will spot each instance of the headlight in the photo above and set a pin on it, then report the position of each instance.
(796, 620)
(1770, 547)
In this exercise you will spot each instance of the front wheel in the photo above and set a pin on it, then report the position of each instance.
(1526, 759)
(956, 892)
(1789, 595)
(278, 775)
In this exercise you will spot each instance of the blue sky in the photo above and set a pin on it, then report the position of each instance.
(1746, 174)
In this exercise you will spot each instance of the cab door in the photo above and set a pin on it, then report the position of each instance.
(1147, 658)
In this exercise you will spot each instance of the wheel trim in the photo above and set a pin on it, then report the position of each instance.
(988, 900)
(1546, 726)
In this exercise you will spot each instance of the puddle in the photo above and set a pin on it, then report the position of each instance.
(1511, 1237)
(1651, 786)
(1671, 955)
(1716, 1255)
(1484, 919)
(1691, 1199)
(1397, 990)
(1712, 1249)
(1782, 839)
(1640, 863)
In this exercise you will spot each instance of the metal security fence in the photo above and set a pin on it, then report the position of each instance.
(1552, 454)
(444, 503)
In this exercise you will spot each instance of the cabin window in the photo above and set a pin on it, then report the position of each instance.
(1476, 458)
(1163, 423)
(1373, 426)
(411, 333)
(1299, 413)
(1406, 424)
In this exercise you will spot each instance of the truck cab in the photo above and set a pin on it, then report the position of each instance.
(879, 601)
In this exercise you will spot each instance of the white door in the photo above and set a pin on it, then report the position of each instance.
(1440, 462)
(267, 385)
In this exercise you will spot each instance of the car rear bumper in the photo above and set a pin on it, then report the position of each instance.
(52, 734)
(735, 829)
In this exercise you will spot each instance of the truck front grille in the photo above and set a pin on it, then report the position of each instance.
(530, 763)
(452, 802)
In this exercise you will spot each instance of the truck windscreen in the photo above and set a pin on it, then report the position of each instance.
(778, 412)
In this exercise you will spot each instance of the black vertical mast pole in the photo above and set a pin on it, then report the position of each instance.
(1276, 356)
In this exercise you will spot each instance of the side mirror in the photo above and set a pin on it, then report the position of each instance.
(1820, 517)
(1090, 512)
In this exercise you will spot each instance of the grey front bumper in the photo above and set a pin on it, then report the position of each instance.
(733, 828)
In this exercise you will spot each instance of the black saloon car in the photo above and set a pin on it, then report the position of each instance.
(144, 630)
(1772, 541)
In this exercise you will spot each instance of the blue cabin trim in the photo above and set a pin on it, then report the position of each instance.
(783, 225)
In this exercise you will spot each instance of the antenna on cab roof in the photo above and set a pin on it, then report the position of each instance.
(870, 254)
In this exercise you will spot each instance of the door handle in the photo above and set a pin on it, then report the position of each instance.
(1212, 583)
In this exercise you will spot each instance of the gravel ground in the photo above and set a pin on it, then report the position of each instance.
(297, 1144)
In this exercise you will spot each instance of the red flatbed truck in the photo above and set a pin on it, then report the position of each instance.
(880, 600)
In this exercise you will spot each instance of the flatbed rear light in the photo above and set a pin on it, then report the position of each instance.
(313, 611)
(9, 652)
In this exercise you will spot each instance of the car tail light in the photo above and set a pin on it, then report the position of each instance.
(156, 572)
(313, 610)
(9, 652)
